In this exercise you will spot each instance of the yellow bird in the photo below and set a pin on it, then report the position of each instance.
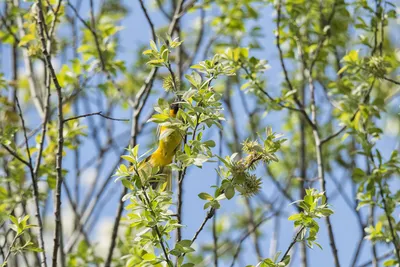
(165, 152)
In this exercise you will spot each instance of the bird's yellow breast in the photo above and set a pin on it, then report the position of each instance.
(167, 146)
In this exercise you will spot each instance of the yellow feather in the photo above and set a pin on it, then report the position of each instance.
(164, 154)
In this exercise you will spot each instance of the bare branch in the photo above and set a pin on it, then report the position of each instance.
(28, 65)
(35, 186)
(150, 22)
(94, 114)
(209, 215)
(393, 232)
(382, 257)
(10, 249)
(295, 239)
(391, 80)
(59, 179)
(248, 233)
(15, 154)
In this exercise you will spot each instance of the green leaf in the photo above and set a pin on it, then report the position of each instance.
(294, 217)
(192, 80)
(128, 158)
(205, 196)
(246, 85)
(158, 118)
(26, 39)
(189, 94)
(187, 150)
(197, 66)
(343, 69)
(209, 143)
(148, 256)
(135, 150)
(147, 52)
(207, 205)
(14, 220)
(318, 245)
(196, 77)
(286, 259)
(352, 56)
(309, 199)
(326, 212)
(390, 262)
(123, 168)
(127, 184)
(76, 66)
(358, 174)
(153, 45)
(156, 62)
(244, 52)
(185, 243)
(229, 192)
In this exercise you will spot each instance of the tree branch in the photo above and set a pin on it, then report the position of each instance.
(15, 155)
(35, 187)
(150, 22)
(60, 143)
(93, 114)
(248, 233)
(292, 244)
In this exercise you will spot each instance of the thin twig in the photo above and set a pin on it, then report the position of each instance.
(44, 125)
(209, 215)
(295, 239)
(60, 143)
(393, 232)
(341, 130)
(317, 139)
(259, 87)
(138, 106)
(181, 177)
(160, 238)
(150, 22)
(35, 187)
(87, 213)
(247, 234)
(391, 80)
(29, 65)
(214, 222)
(189, 5)
(176, 17)
(94, 114)
(165, 13)
(92, 30)
(382, 257)
(199, 40)
(10, 249)
(236, 148)
(283, 65)
(115, 228)
(15, 154)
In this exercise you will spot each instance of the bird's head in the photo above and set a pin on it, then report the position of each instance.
(173, 109)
